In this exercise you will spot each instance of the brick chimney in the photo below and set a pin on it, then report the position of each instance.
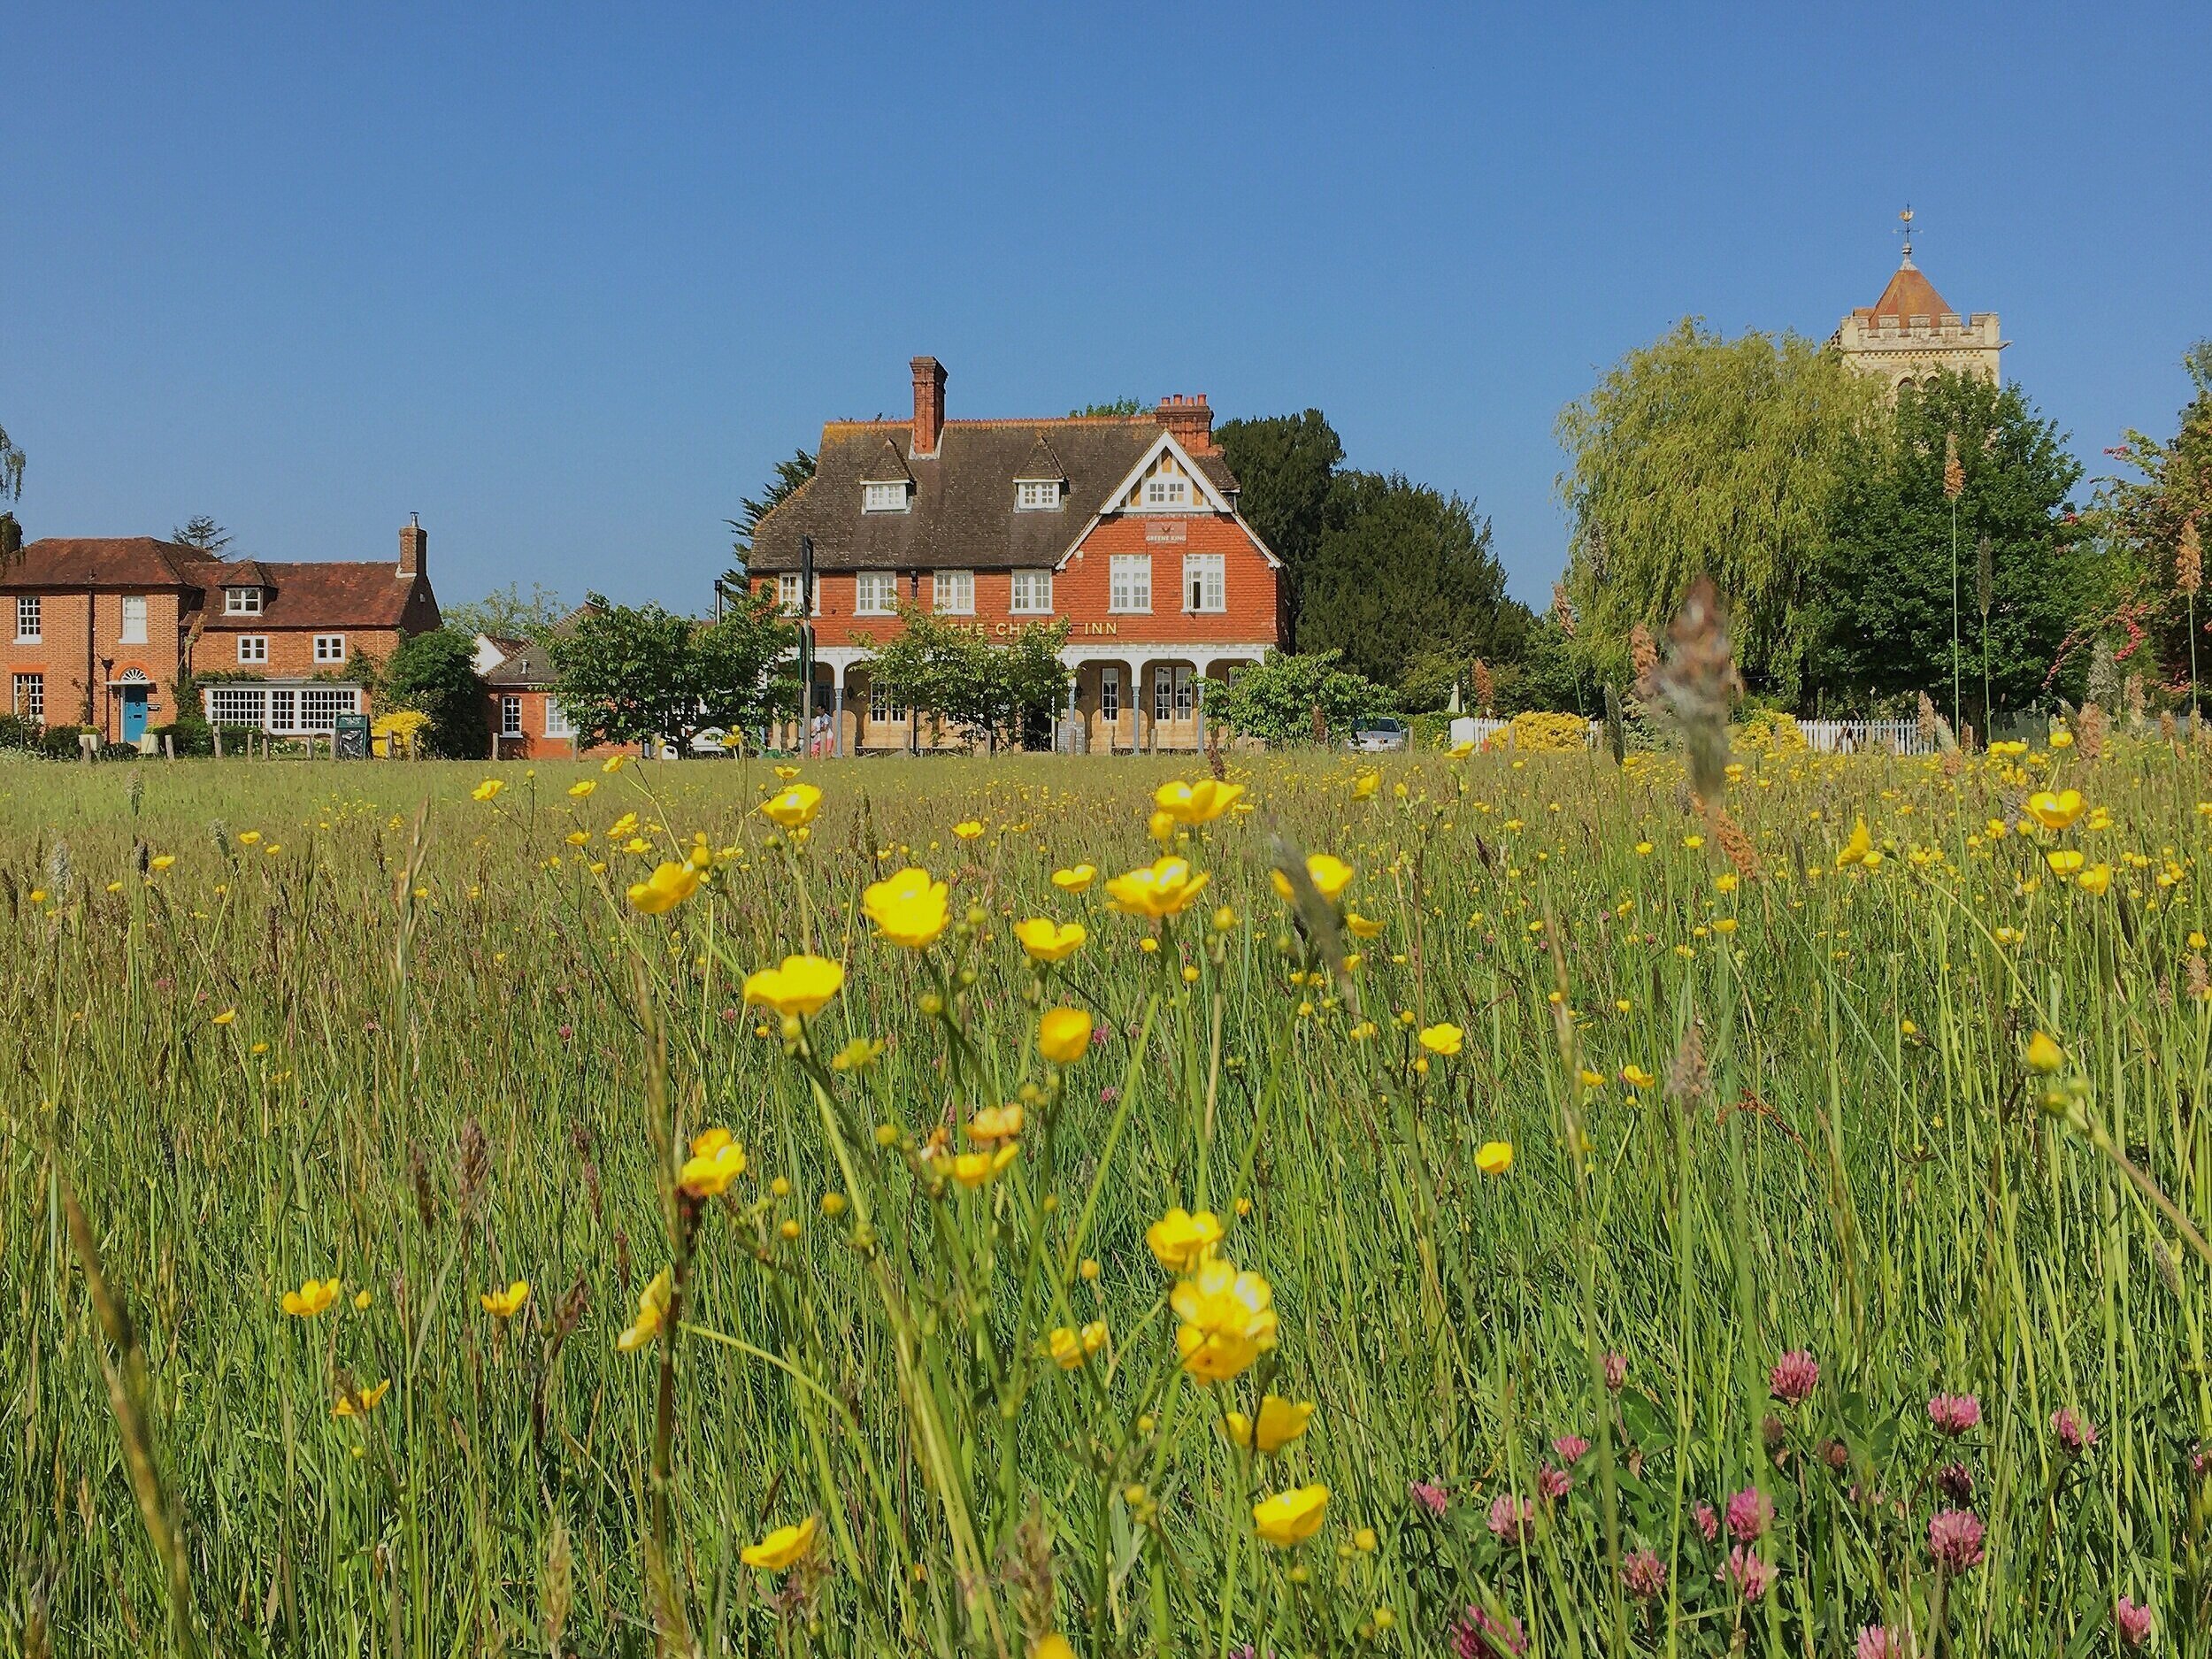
(929, 405)
(1190, 420)
(414, 542)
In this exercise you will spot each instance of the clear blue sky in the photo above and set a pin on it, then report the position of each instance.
(567, 282)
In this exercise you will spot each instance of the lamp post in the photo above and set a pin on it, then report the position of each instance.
(806, 646)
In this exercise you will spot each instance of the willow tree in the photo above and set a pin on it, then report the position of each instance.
(1702, 455)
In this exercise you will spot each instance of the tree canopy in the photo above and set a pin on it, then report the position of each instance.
(508, 613)
(1882, 587)
(751, 510)
(1275, 699)
(2148, 516)
(203, 532)
(1699, 455)
(435, 674)
(1284, 465)
(632, 674)
(956, 678)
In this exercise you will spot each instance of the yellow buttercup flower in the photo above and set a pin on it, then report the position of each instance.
(486, 789)
(1053, 1647)
(793, 806)
(801, 987)
(505, 1304)
(1199, 803)
(314, 1296)
(2044, 1054)
(2064, 862)
(366, 1400)
(247, 838)
(782, 1550)
(1636, 1077)
(2095, 880)
(1329, 875)
(997, 1123)
(1462, 749)
(1366, 784)
(162, 861)
(1181, 1240)
(1228, 1319)
(1063, 1035)
(908, 908)
(1281, 1422)
(716, 1161)
(652, 1309)
(1854, 851)
(1291, 1518)
(968, 831)
(2055, 812)
(669, 885)
(974, 1169)
(1065, 1348)
(1075, 877)
(1442, 1038)
(1168, 886)
(1048, 940)
(1361, 926)
(785, 774)
(226, 1016)
(581, 789)
(1163, 828)
(1495, 1157)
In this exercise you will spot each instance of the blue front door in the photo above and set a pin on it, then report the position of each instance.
(135, 701)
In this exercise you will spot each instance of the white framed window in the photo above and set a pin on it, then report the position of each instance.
(510, 715)
(954, 593)
(321, 705)
(280, 706)
(241, 602)
(557, 721)
(1129, 585)
(133, 619)
(883, 497)
(29, 627)
(1110, 693)
(30, 697)
(1205, 582)
(253, 647)
(1166, 489)
(237, 705)
(1037, 495)
(330, 647)
(1174, 692)
(883, 704)
(1031, 594)
(787, 593)
(875, 593)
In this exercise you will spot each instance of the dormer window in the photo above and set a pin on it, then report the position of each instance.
(241, 602)
(884, 497)
(1037, 495)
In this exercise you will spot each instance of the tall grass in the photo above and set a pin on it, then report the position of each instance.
(460, 1056)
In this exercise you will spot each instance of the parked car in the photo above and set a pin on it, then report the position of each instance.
(1379, 734)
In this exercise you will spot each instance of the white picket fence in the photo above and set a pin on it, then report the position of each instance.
(1855, 737)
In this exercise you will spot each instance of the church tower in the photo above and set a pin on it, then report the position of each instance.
(1910, 332)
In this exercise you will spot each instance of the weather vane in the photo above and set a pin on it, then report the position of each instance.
(1905, 217)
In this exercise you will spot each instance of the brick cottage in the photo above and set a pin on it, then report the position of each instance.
(105, 627)
(1125, 525)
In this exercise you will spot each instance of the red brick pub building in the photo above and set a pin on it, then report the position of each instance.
(1125, 525)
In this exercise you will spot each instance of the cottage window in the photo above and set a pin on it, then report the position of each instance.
(280, 706)
(241, 602)
(236, 705)
(1173, 692)
(875, 593)
(321, 705)
(511, 715)
(1205, 583)
(330, 647)
(1035, 495)
(883, 706)
(1130, 586)
(133, 619)
(788, 594)
(28, 627)
(1166, 489)
(30, 697)
(557, 721)
(1032, 594)
(883, 497)
(1110, 693)
(955, 592)
(253, 647)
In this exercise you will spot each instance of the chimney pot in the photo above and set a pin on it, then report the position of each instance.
(414, 544)
(1190, 419)
(929, 405)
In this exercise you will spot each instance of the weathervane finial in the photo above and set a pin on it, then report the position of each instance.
(1906, 218)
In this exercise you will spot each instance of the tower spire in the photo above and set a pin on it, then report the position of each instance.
(1905, 218)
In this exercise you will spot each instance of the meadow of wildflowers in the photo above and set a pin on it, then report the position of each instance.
(1465, 1206)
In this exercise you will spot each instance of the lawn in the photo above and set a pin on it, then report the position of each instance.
(1769, 1227)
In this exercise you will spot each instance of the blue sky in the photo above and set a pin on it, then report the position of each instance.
(567, 282)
